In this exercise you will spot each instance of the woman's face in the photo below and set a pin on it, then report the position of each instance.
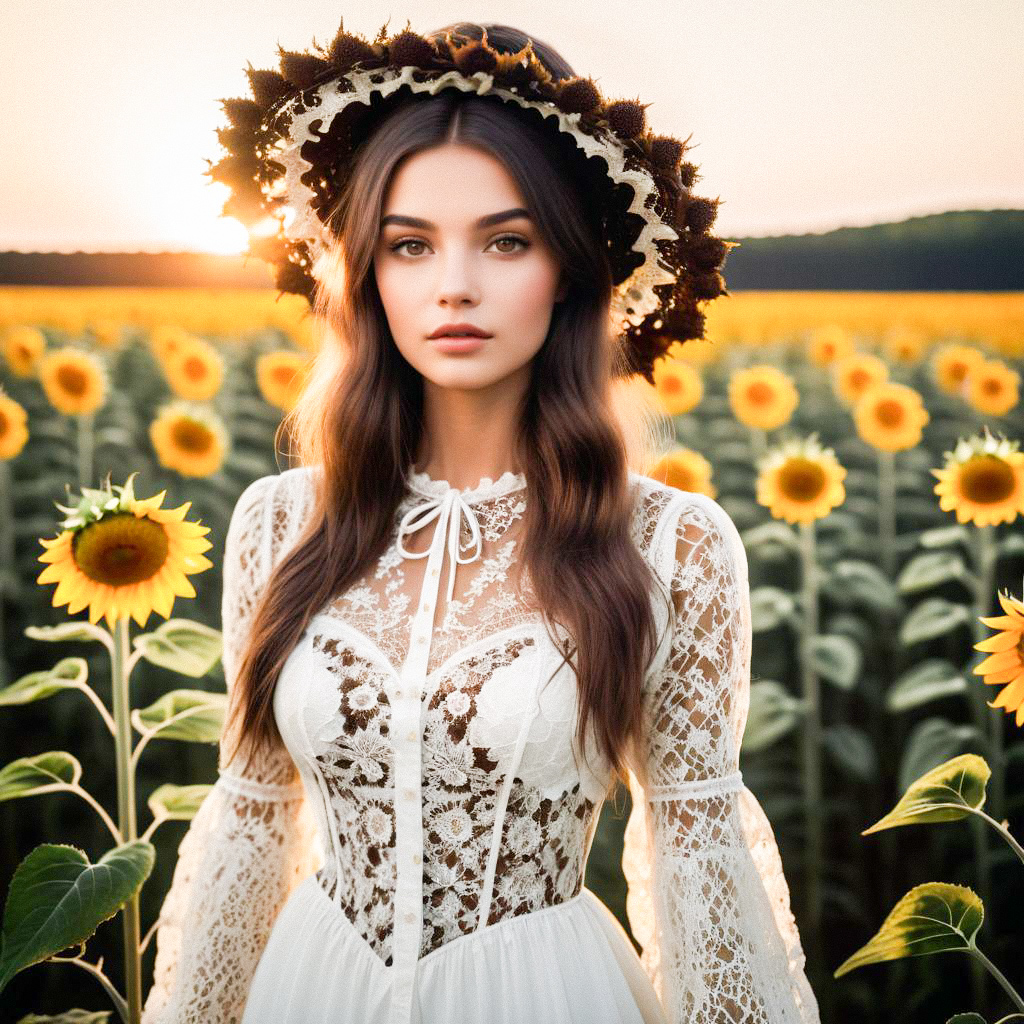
(439, 261)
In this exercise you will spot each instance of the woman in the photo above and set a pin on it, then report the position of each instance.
(410, 778)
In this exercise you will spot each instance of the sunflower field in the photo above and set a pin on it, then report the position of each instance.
(866, 445)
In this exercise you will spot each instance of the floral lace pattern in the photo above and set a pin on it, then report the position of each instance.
(507, 803)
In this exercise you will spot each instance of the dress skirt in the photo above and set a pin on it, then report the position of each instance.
(571, 963)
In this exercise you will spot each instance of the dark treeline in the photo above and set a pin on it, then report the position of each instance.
(969, 250)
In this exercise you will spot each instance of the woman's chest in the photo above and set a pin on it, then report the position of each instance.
(503, 706)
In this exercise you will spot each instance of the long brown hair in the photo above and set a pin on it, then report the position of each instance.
(360, 417)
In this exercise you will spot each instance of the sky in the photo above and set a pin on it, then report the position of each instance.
(805, 115)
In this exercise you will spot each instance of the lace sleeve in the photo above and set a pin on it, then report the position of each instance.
(252, 839)
(707, 898)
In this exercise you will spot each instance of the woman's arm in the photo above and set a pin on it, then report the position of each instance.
(714, 944)
(250, 842)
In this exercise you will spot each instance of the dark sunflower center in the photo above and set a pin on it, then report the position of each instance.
(681, 477)
(72, 380)
(992, 386)
(801, 479)
(5, 423)
(120, 549)
(760, 393)
(987, 480)
(859, 377)
(195, 368)
(191, 436)
(958, 371)
(889, 413)
(284, 375)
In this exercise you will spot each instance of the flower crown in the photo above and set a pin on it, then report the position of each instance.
(290, 150)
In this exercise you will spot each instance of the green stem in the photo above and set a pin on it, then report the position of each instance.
(94, 969)
(100, 707)
(758, 443)
(987, 555)
(887, 510)
(811, 736)
(6, 554)
(85, 449)
(94, 804)
(998, 975)
(126, 814)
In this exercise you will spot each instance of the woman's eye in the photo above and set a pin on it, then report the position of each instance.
(402, 243)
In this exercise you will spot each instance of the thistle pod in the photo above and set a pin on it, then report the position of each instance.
(346, 51)
(411, 49)
(708, 286)
(685, 321)
(708, 253)
(688, 174)
(244, 206)
(236, 139)
(578, 96)
(289, 277)
(700, 214)
(242, 113)
(666, 152)
(269, 247)
(233, 169)
(301, 70)
(473, 57)
(626, 118)
(267, 86)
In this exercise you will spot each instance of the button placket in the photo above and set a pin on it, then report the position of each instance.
(407, 721)
(408, 779)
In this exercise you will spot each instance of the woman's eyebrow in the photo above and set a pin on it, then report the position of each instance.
(484, 222)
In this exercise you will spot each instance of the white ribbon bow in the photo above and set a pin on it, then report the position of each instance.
(416, 518)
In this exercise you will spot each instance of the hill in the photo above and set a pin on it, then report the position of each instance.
(964, 250)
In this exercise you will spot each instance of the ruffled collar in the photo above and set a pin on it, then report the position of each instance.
(485, 490)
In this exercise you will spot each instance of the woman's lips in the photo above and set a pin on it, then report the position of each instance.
(456, 344)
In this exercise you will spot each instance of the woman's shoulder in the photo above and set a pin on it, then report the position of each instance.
(662, 512)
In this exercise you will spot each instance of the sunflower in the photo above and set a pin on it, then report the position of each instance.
(678, 385)
(952, 364)
(107, 333)
(890, 417)
(685, 470)
(23, 347)
(1005, 663)
(13, 432)
(123, 556)
(74, 381)
(857, 372)
(800, 481)
(195, 370)
(828, 344)
(167, 339)
(992, 387)
(903, 345)
(281, 376)
(189, 439)
(762, 397)
(982, 481)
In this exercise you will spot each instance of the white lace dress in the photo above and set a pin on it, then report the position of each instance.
(416, 851)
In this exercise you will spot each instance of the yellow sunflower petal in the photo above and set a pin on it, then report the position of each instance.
(995, 662)
(999, 642)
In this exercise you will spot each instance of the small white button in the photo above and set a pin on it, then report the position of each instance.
(415, 858)
(410, 794)
(398, 693)
(410, 916)
(421, 639)
(434, 572)
(426, 607)
(413, 736)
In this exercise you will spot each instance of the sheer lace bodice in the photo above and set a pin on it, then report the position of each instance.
(431, 777)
